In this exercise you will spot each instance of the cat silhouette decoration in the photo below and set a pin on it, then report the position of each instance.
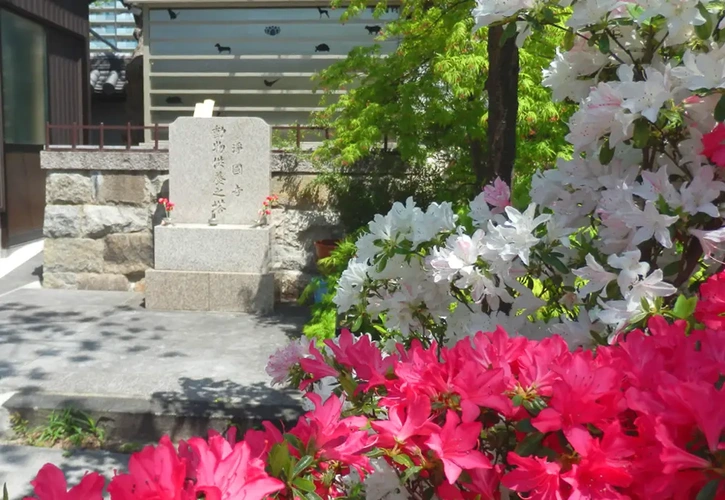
(323, 47)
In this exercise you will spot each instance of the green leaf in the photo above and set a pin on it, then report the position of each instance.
(720, 109)
(603, 44)
(525, 426)
(569, 39)
(640, 137)
(357, 324)
(410, 473)
(517, 400)
(304, 462)
(311, 495)
(606, 153)
(509, 32)
(548, 15)
(704, 31)
(404, 459)
(684, 307)
(708, 491)
(529, 444)
(555, 263)
(295, 442)
(279, 458)
(304, 484)
(5, 492)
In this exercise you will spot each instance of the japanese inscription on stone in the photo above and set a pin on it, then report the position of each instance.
(219, 165)
(219, 202)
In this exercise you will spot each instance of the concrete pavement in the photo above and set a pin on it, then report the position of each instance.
(20, 464)
(102, 351)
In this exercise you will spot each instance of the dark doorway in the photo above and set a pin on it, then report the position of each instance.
(25, 196)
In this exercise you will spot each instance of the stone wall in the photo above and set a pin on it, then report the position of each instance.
(101, 208)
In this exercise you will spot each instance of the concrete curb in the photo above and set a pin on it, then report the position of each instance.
(140, 420)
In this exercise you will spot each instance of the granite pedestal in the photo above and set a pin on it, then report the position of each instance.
(218, 168)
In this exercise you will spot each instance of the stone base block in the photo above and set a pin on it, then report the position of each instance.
(204, 291)
(225, 248)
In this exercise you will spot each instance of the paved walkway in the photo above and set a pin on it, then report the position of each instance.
(106, 349)
(20, 464)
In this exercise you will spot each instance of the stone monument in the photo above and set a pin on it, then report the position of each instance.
(214, 256)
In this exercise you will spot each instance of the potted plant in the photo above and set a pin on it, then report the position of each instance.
(323, 248)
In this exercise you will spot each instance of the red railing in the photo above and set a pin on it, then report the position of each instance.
(298, 133)
(77, 130)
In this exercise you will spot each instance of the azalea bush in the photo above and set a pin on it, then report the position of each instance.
(492, 415)
(612, 234)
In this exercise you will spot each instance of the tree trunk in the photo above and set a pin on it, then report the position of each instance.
(479, 163)
(503, 104)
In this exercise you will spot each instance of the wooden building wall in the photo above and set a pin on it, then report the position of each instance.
(65, 23)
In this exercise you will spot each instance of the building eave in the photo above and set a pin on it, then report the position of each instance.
(206, 4)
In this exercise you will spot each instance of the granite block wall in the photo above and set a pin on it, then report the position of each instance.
(101, 210)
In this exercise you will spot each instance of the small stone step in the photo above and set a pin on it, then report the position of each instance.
(140, 421)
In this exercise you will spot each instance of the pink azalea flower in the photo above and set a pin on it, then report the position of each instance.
(50, 484)
(224, 471)
(154, 473)
(498, 195)
(456, 444)
(710, 309)
(364, 357)
(585, 394)
(713, 145)
(333, 437)
(317, 366)
(535, 476)
(603, 465)
(405, 420)
(283, 360)
(260, 442)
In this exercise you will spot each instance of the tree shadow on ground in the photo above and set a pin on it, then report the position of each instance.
(205, 403)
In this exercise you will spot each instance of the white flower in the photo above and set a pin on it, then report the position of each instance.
(631, 268)
(403, 216)
(349, 286)
(590, 12)
(459, 255)
(680, 16)
(597, 277)
(645, 97)
(577, 333)
(656, 184)
(514, 237)
(383, 483)
(710, 241)
(564, 74)
(704, 70)
(649, 222)
(648, 289)
(281, 362)
(438, 218)
(699, 195)
(487, 12)
(479, 211)
(380, 228)
(601, 113)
